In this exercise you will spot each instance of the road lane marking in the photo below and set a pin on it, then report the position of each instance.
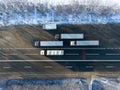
(112, 54)
(48, 67)
(109, 66)
(12, 61)
(74, 48)
(52, 74)
(56, 48)
(25, 48)
(11, 54)
(31, 54)
(68, 66)
(83, 48)
(89, 66)
(91, 54)
(27, 67)
(6, 67)
(30, 74)
(71, 54)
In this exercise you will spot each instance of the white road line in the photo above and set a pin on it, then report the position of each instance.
(89, 66)
(56, 48)
(27, 67)
(90, 54)
(19, 48)
(83, 48)
(112, 54)
(24, 48)
(31, 54)
(6, 67)
(48, 66)
(71, 54)
(109, 66)
(12, 61)
(53, 74)
(68, 66)
(29, 74)
(11, 54)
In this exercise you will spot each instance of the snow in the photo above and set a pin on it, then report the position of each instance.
(102, 83)
(12, 13)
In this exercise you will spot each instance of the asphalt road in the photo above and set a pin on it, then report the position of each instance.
(79, 54)
(41, 67)
(75, 59)
(88, 54)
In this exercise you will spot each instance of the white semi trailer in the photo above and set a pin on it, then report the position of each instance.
(51, 43)
(85, 43)
(69, 36)
(52, 52)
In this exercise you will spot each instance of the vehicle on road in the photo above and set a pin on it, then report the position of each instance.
(69, 36)
(85, 43)
(49, 26)
(52, 52)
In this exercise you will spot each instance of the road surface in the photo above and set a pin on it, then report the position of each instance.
(79, 54)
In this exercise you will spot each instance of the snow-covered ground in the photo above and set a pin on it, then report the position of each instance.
(105, 84)
(53, 84)
(100, 83)
(15, 12)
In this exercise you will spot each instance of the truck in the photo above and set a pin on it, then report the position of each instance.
(52, 52)
(49, 26)
(69, 36)
(51, 43)
(85, 43)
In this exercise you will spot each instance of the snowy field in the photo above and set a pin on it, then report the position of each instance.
(15, 12)
(53, 84)
(100, 83)
(106, 84)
